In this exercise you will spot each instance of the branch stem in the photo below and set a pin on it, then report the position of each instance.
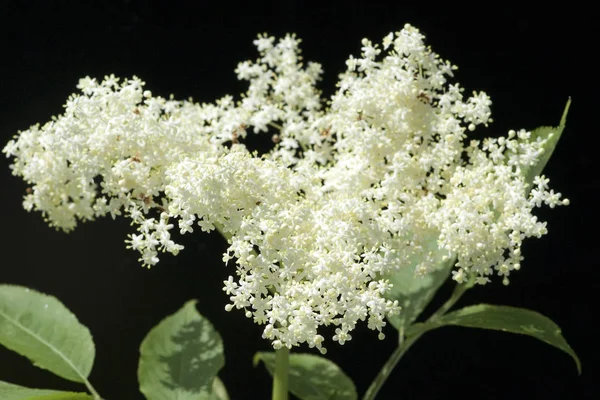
(281, 374)
(405, 343)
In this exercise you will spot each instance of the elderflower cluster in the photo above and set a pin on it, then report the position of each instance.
(350, 192)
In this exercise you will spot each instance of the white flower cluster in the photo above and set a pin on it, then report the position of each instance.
(349, 192)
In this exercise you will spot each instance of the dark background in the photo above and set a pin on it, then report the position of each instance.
(528, 61)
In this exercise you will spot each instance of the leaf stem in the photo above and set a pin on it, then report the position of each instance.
(389, 366)
(281, 374)
(91, 389)
(405, 344)
(459, 290)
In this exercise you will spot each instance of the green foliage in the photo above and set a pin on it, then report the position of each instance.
(219, 392)
(312, 377)
(506, 319)
(180, 358)
(415, 292)
(42, 329)
(9, 391)
(552, 134)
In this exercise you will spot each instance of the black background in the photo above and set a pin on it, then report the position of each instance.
(528, 61)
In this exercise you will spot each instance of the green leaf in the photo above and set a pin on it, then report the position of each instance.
(180, 357)
(506, 319)
(9, 391)
(415, 292)
(552, 134)
(312, 377)
(219, 392)
(42, 329)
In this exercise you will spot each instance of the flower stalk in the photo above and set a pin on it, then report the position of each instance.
(281, 374)
(389, 366)
(405, 343)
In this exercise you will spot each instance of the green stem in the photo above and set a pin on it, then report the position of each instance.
(92, 390)
(389, 366)
(275, 125)
(281, 374)
(404, 345)
(459, 290)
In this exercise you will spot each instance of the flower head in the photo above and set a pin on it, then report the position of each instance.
(353, 189)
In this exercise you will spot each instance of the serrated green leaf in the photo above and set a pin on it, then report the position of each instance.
(552, 134)
(415, 292)
(42, 329)
(9, 391)
(312, 377)
(180, 357)
(506, 319)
